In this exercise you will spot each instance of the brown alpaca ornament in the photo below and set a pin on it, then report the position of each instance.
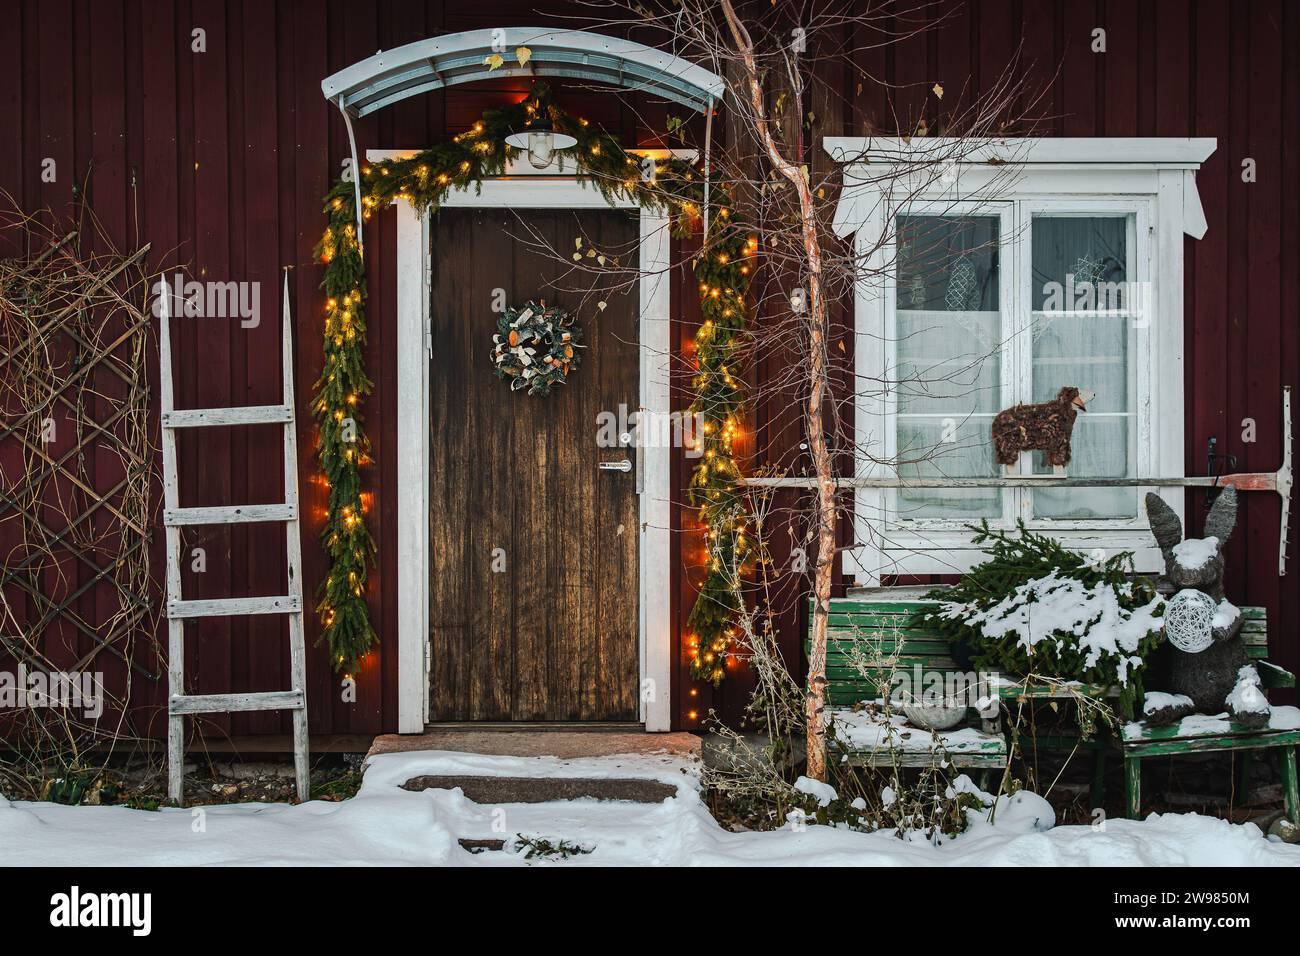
(1044, 427)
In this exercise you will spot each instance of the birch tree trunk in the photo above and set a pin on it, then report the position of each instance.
(818, 388)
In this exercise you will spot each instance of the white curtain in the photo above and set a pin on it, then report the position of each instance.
(949, 330)
(1089, 351)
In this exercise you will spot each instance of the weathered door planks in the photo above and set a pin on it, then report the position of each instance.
(553, 637)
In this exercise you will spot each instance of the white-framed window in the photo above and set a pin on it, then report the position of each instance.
(986, 290)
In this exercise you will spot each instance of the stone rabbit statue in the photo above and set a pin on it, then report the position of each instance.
(1221, 677)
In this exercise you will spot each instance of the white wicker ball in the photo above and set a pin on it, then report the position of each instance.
(1189, 620)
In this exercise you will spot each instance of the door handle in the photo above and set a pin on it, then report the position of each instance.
(624, 466)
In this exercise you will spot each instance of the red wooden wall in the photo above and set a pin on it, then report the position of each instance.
(220, 159)
(1194, 68)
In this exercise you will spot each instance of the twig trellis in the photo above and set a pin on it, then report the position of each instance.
(76, 459)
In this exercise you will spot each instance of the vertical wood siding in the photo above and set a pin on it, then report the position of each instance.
(1198, 68)
(220, 159)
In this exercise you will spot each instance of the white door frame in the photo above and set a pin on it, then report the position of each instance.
(414, 351)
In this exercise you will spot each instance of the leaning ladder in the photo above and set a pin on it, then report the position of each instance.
(178, 610)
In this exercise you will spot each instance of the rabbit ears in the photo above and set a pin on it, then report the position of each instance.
(1223, 516)
(1168, 530)
(1165, 525)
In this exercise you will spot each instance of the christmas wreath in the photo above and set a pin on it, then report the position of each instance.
(536, 347)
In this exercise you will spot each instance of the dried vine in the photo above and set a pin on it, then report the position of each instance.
(76, 505)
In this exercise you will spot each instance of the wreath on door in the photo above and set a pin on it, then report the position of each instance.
(536, 347)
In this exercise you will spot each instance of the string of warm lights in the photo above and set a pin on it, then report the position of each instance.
(723, 271)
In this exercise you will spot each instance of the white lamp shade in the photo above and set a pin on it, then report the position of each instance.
(541, 142)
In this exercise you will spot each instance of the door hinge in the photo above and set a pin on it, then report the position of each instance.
(428, 337)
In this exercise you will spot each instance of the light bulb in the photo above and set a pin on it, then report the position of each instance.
(541, 146)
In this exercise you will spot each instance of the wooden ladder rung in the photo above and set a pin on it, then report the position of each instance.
(229, 514)
(241, 415)
(228, 703)
(231, 607)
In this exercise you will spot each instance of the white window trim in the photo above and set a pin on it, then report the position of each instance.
(1153, 177)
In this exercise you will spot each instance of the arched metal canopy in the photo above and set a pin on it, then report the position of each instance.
(439, 62)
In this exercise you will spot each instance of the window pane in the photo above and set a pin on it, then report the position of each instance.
(947, 362)
(948, 331)
(1080, 263)
(948, 263)
(946, 447)
(1099, 449)
(1090, 352)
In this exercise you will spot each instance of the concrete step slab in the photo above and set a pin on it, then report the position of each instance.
(492, 791)
(524, 741)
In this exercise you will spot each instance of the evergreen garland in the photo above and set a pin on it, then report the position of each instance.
(723, 271)
(724, 276)
(1015, 560)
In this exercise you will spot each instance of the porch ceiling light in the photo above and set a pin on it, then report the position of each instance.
(541, 142)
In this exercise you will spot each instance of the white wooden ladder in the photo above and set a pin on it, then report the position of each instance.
(175, 517)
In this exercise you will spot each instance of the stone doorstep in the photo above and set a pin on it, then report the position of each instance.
(481, 846)
(492, 791)
(566, 744)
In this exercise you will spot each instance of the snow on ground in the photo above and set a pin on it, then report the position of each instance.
(384, 824)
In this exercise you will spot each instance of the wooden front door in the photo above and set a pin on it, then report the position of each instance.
(533, 594)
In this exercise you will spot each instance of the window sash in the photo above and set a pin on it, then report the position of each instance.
(1133, 316)
(1016, 357)
(895, 507)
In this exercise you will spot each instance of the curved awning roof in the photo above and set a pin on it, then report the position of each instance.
(438, 62)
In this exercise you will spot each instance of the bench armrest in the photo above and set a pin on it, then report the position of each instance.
(1270, 675)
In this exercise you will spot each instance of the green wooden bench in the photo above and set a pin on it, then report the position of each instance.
(881, 622)
(1201, 734)
(860, 632)
(866, 626)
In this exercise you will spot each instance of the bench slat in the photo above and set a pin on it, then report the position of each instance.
(885, 758)
(852, 606)
(910, 746)
(906, 638)
(907, 653)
